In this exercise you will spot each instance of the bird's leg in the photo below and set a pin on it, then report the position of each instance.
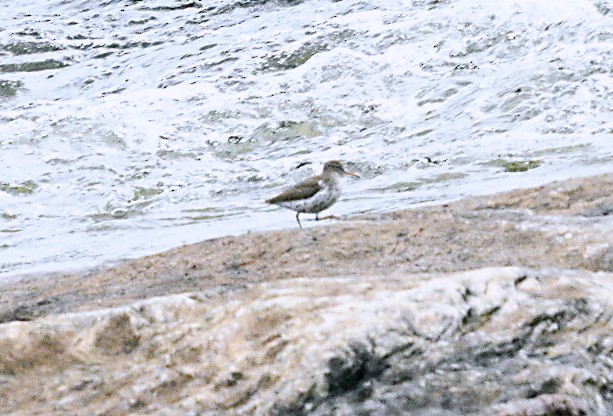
(298, 219)
(317, 216)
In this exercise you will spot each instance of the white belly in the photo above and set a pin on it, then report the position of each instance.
(321, 200)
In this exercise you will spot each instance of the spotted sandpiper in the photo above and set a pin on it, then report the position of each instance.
(314, 194)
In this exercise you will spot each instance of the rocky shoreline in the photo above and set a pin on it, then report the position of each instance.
(492, 305)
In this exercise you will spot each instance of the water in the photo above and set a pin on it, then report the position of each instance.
(127, 127)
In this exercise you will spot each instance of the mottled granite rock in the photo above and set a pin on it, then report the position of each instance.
(492, 341)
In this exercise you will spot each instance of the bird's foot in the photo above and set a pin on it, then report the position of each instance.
(327, 217)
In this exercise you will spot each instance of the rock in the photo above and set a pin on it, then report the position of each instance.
(484, 342)
(563, 224)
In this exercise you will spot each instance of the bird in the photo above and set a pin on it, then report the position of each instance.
(314, 194)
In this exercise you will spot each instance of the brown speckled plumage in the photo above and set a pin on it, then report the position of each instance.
(314, 194)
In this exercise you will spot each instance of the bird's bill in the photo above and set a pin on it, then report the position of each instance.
(352, 174)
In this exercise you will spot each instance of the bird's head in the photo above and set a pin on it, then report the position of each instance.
(334, 166)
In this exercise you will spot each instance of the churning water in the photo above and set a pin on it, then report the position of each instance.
(128, 127)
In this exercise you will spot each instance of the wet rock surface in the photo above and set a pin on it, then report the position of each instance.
(408, 312)
(564, 224)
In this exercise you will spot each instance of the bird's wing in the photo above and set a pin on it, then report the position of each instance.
(301, 190)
